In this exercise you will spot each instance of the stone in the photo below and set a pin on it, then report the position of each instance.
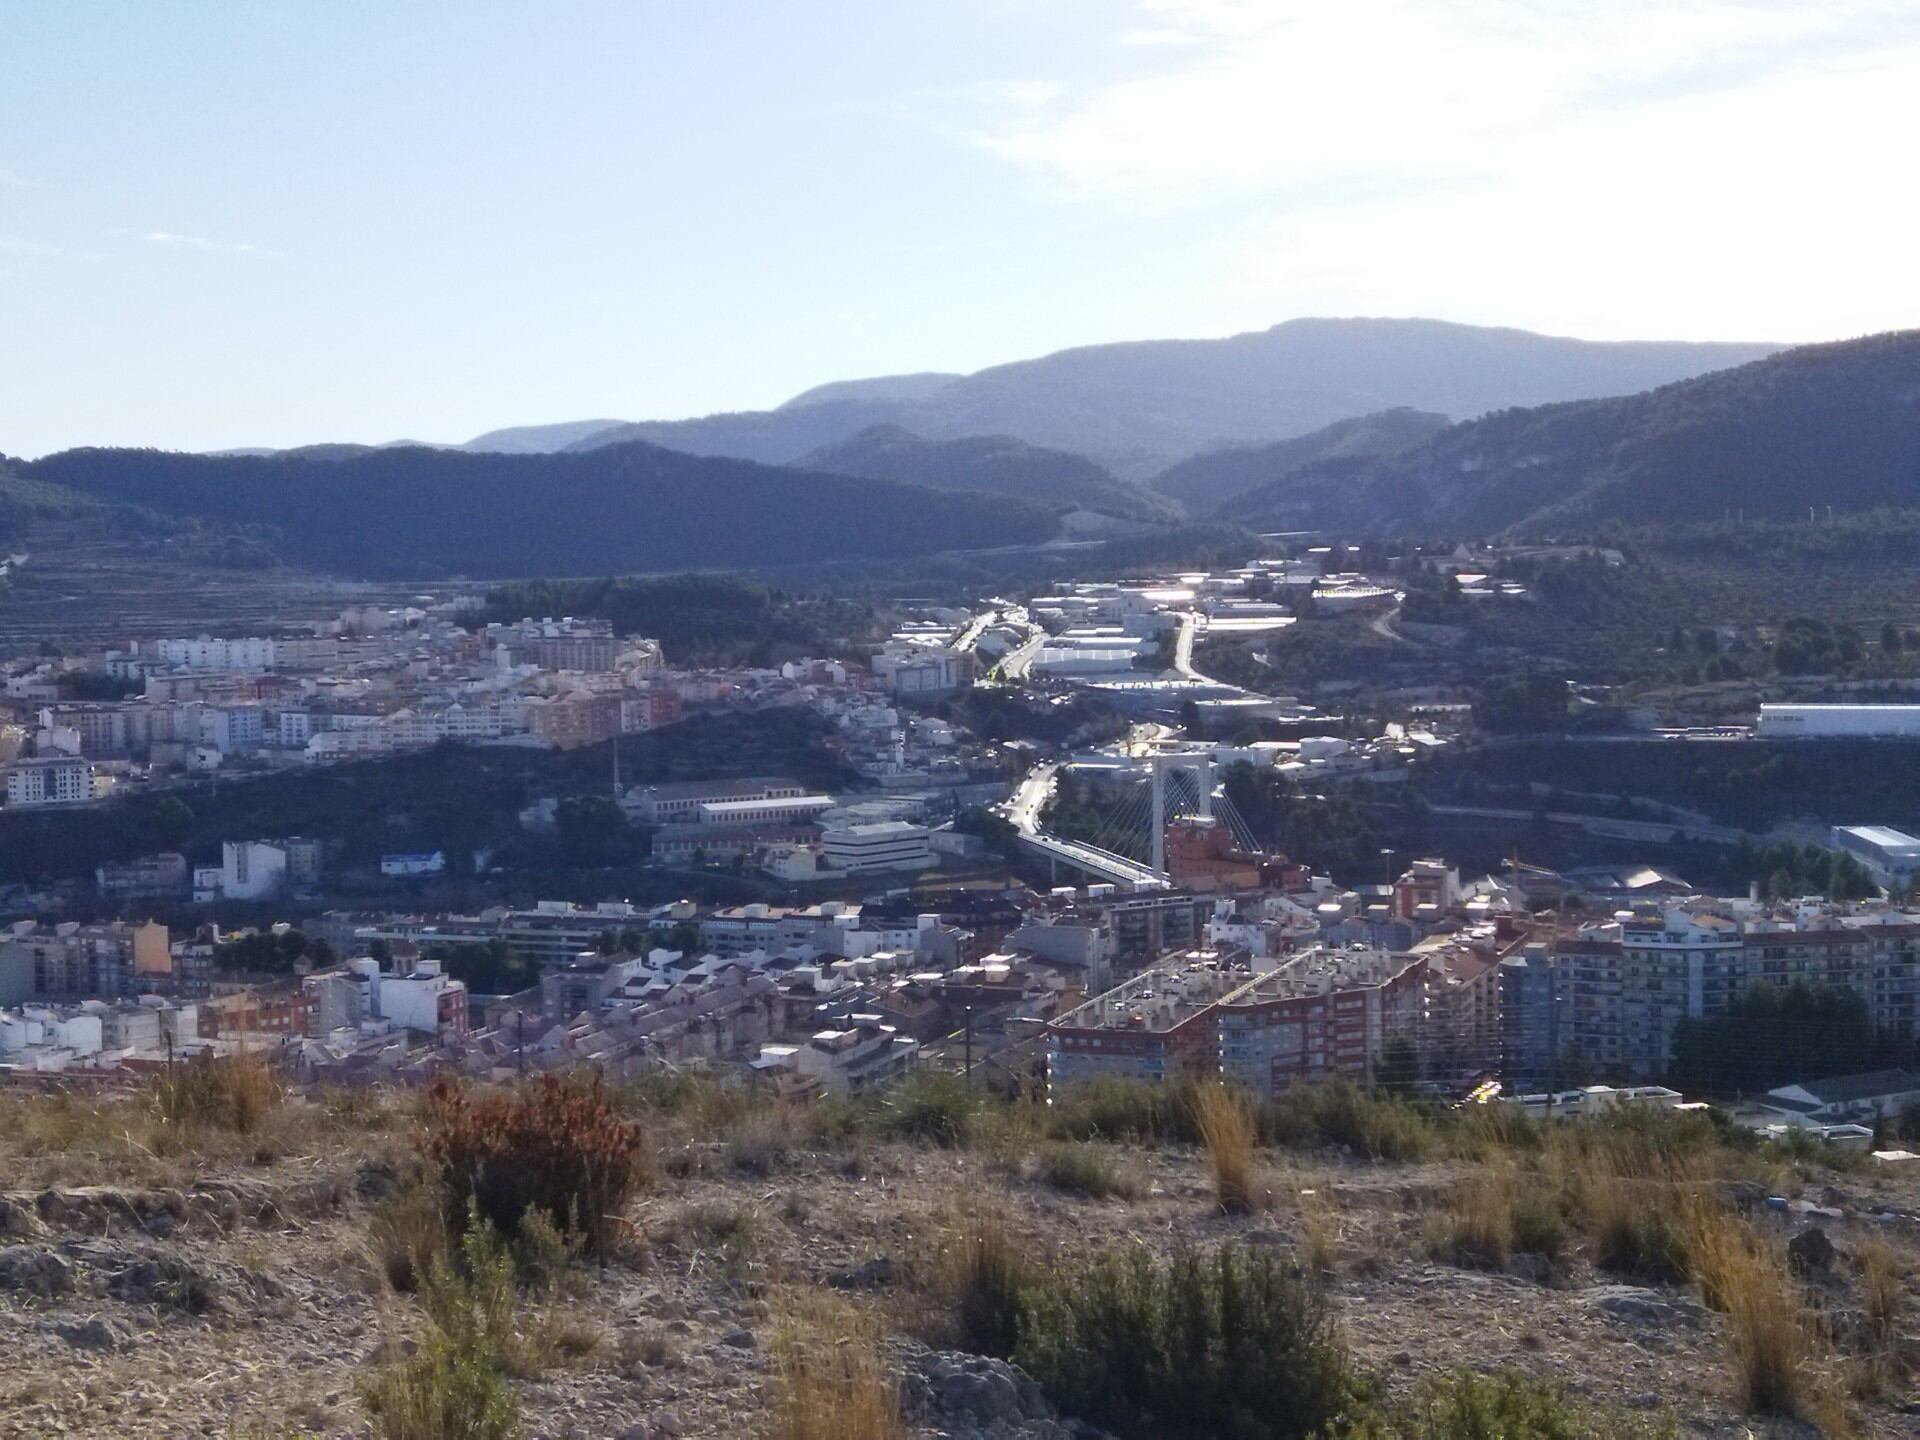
(1636, 1305)
(739, 1339)
(870, 1275)
(19, 1220)
(90, 1334)
(1528, 1265)
(35, 1272)
(1811, 1252)
(163, 1280)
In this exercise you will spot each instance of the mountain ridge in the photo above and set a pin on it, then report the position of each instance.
(407, 511)
(1833, 424)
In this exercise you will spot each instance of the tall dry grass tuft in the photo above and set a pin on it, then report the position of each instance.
(1880, 1281)
(988, 1280)
(1227, 1129)
(1773, 1340)
(230, 1092)
(832, 1383)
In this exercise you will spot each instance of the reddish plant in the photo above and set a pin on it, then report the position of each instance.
(553, 1145)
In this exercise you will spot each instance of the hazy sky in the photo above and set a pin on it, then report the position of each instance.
(272, 223)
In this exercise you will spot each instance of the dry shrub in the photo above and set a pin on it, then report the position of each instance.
(554, 1145)
(1227, 1130)
(831, 1381)
(229, 1092)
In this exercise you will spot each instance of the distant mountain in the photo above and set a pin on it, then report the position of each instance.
(536, 439)
(633, 507)
(772, 437)
(1141, 406)
(894, 388)
(1821, 425)
(1208, 481)
(992, 464)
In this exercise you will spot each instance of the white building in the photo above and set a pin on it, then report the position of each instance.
(785, 810)
(1852, 722)
(51, 780)
(890, 845)
(1891, 856)
(249, 870)
(209, 653)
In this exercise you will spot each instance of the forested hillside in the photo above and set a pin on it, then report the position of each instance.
(1819, 426)
(413, 511)
(990, 464)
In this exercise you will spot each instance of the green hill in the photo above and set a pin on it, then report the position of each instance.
(1205, 482)
(990, 464)
(416, 511)
(1821, 425)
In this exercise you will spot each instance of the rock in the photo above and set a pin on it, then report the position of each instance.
(1743, 1194)
(91, 1334)
(1636, 1305)
(18, 1219)
(34, 1272)
(163, 1280)
(1527, 1265)
(1811, 1252)
(870, 1275)
(739, 1340)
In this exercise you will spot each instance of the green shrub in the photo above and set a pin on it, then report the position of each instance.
(1124, 1110)
(931, 1106)
(1464, 1406)
(453, 1387)
(1086, 1169)
(1201, 1345)
(554, 1145)
(1340, 1113)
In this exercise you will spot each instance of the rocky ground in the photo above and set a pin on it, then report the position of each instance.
(234, 1289)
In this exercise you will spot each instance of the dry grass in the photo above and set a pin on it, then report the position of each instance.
(1881, 1277)
(233, 1092)
(1227, 1129)
(408, 1231)
(986, 1279)
(832, 1383)
(1774, 1342)
(1475, 1231)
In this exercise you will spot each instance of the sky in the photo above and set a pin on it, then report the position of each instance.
(274, 223)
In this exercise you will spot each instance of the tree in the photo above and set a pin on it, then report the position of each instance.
(1774, 1035)
(381, 952)
(1399, 1069)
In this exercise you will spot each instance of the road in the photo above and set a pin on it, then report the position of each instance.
(1013, 665)
(1022, 810)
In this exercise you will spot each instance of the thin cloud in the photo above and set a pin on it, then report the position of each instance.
(20, 245)
(211, 247)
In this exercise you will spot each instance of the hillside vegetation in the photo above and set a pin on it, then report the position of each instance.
(1207, 481)
(675, 1256)
(418, 512)
(1822, 425)
(990, 464)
